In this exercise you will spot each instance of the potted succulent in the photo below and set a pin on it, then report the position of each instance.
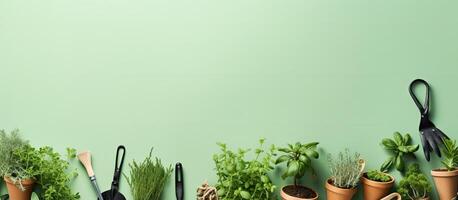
(242, 178)
(345, 174)
(147, 179)
(446, 179)
(415, 185)
(24, 167)
(299, 159)
(378, 183)
(18, 181)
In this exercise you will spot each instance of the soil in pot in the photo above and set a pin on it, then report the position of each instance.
(292, 192)
(17, 194)
(446, 183)
(336, 193)
(375, 190)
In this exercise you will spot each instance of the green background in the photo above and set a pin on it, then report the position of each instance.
(180, 76)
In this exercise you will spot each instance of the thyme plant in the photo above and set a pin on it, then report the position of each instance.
(345, 169)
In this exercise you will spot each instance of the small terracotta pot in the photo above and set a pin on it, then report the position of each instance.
(17, 194)
(286, 196)
(446, 183)
(374, 190)
(335, 193)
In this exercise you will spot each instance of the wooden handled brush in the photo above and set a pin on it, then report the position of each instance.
(85, 159)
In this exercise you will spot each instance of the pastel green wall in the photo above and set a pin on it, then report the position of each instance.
(180, 76)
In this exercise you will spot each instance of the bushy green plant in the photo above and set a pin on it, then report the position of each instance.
(450, 151)
(345, 169)
(298, 158)
(379, 176)
(240, 178)
(414, 185)
(399, 147)
(147, 179)
(9, 162)
(49, 171)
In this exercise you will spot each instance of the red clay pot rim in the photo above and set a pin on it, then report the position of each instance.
(286, 195)
(378, 184)
(444, 172)
(25, 182)
(335, 189)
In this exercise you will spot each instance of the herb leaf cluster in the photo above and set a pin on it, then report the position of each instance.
(241, 178)
(399, 147)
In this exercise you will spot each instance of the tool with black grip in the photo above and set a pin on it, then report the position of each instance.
(431, 137)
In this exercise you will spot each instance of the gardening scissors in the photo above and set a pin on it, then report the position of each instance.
(113, 193)
(431, 137)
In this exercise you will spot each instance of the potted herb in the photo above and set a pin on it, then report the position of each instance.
(446, 179)
(49, 170)
(147, 179)
(378, 183)
(415, 185)
(242, 178)
(345, 174)
(24, 166)
(18, 181)
(299, 159)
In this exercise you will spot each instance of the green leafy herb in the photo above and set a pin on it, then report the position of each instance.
(399, 147)
(147, 179)
(379, 176)
(345, 169)
(298, 158)
(48, 170)
(415, 185)
(239, 178)
(450, 151)
(9, 165)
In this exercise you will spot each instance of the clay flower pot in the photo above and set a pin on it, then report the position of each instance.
(17, 194)
(303, 193)
(374, 190)
(335, 193)
(446, 183)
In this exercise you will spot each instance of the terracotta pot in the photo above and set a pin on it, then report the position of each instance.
(17, 194)
(446, 183)
(286, 196)
(374, 190)
(335, 193)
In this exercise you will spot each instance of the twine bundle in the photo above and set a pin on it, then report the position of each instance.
(206, 192)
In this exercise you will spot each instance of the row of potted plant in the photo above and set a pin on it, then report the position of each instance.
(242, 178)
(26, 169)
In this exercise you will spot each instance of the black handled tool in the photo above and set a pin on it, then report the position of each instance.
(431, 137)
(179, 187)
(113, 193)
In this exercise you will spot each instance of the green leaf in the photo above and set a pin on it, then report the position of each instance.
(293, 168)
(399, 163)
(389, 144)
(281, 159)
(406, 138)
(387, 165)
(245, 194)
(412, 148)
(398, 138)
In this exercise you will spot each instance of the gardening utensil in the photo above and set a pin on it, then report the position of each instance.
(179, 189)
(113, 193)
(431, 137)
(85, 159)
